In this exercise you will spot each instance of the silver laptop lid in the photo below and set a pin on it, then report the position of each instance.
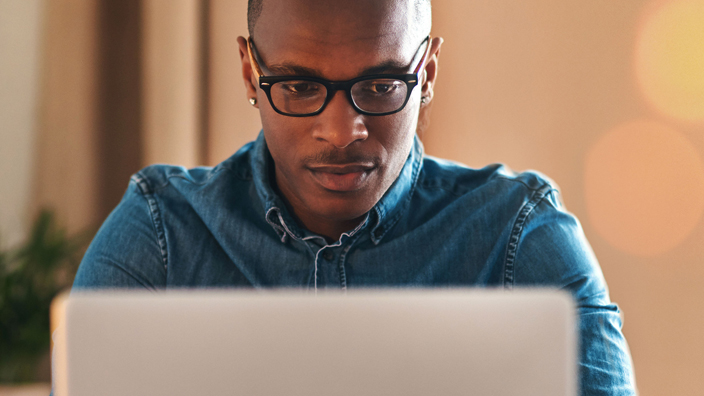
(401, 342)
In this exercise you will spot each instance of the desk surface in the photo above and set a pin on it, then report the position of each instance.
(41, 389)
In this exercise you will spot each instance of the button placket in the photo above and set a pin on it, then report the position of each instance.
(328, 255)
(325, 251)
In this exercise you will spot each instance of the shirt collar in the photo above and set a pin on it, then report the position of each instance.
(398, 197)
(382, 217)
(274, 209)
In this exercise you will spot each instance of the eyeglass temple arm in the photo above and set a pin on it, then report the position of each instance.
(255, 65)
(424, 59)
(259, 73)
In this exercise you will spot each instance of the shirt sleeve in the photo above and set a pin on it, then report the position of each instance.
(552, 250)
(129, 250)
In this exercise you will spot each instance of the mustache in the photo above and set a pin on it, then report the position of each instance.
(341, 157)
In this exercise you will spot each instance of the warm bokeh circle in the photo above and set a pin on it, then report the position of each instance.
(669, 58)
(644, 187)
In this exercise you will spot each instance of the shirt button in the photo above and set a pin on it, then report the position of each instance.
(327, 255)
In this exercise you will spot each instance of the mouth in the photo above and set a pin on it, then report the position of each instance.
(342, 178)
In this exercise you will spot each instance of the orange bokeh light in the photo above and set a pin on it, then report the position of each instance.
(644, 187)
(669, 58)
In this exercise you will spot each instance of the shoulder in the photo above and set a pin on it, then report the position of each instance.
(534, 239)
(165, 210)
(495, 182)
(156, 178)
(181, 202)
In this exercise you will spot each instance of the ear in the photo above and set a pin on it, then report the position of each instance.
(431, 69)
(247, 74)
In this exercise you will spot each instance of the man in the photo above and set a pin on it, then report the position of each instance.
(337, 193)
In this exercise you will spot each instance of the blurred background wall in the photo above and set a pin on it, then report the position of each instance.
(607, 98)
(21, 31)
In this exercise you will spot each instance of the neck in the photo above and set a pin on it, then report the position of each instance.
(332, 230)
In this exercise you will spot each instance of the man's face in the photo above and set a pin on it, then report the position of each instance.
(335, 166)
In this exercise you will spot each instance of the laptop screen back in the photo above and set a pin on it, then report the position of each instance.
(429, 342)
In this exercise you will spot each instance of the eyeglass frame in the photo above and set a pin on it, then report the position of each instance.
(266, 82)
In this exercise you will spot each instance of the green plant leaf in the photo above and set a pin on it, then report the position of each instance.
(30, 277)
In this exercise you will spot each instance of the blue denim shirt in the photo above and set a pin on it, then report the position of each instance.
(439, 225)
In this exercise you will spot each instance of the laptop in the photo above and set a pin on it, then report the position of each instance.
(388, 342)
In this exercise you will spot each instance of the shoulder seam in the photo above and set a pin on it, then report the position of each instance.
(517, 180)
(146, 191)
(211, 174)
(517, 231)
(434, 186)
(152, 186)
(430, 186)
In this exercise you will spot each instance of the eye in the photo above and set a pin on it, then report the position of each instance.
(300, 88)
(383, 87)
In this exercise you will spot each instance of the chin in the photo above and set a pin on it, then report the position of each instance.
(343, 208)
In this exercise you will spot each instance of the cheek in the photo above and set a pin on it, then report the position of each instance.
(398, 138)
(281, 140)
(283, 134)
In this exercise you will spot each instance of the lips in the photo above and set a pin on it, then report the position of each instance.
(341, 178)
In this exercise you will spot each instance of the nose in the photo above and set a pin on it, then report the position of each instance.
(340, 124)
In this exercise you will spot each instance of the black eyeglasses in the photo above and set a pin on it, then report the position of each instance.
(303, 96)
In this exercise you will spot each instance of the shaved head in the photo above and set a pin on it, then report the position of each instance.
(422, 14)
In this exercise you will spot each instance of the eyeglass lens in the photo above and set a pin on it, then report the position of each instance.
(374, 96)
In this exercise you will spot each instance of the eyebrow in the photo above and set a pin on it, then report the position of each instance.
(292, 69)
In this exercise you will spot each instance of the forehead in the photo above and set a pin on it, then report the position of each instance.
(339, 39)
